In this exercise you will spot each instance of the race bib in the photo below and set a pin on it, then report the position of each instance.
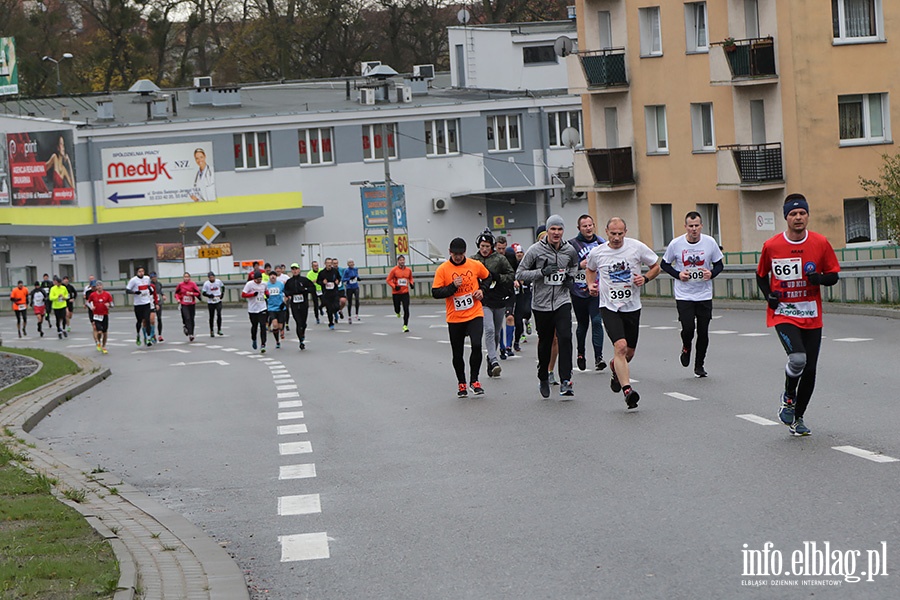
(787, 269)
(620, 292)
(215, 300)
(99, 317)
(694, 274)
(581, 277)
(145, 293)
(464, 302)
(299, 298)
(329, 285)
(187, 299)
(402, 282)
(21, 306)
(261, 296)
(555, 278)
(353, 280)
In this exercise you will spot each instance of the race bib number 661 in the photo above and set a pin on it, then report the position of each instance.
(787, 269)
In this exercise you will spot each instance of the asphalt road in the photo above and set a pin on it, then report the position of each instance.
(385, 485)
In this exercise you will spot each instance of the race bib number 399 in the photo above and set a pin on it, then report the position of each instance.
(787, 269)
(620, 292)
(464, 302)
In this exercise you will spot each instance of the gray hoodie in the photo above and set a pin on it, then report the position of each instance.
(548, 297)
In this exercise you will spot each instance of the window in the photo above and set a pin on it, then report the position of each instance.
(862, 221)
(863, 118)
(559, 122)
(251, 151)
(315, 146)
(657, 135)
(372, 144)
(503, 133)
(857, 20)
(651, 37)
(539, 55)
(270, 240)
(702, 127)
(661, 221)
(695, 27)
(441, 137)
(709, 214)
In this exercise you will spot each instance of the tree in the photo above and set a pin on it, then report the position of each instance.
(885, 193)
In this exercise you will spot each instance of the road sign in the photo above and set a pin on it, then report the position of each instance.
(209, 252)
(61, 245)
(378, 244)
(208, 232)
(374, 206)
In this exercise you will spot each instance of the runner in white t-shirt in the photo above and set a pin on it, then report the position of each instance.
(693, 259)
(614, 274)
(256, 294)
(139, 287)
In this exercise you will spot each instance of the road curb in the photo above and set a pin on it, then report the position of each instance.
(160, 553)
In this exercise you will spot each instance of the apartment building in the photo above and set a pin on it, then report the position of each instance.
(726, 106)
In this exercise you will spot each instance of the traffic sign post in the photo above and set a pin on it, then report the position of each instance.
(62, 247)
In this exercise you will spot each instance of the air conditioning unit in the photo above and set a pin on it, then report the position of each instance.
(426, 71)
(367, 65)
(404, 93)
(202, 82)
(439, 204)
(367, 96)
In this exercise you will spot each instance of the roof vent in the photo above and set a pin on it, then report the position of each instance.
(144, 87)
(230, 96)
(106, 110)
(381, 72)
(367, 65)
(159, 108)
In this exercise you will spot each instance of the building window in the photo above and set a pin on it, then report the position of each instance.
(695, 27)
(661, 221)
(441, 137)
(863, 119)
(251, 151)
(657, 134)
(270, 240)
(315, 146)
(651, 36)
(709, 215)
(373, 148)
(533, 55)
(704, 139)
(857, 20)
(503, 133)
(559, 122)
(863, 221)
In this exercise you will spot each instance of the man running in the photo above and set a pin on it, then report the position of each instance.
(551, 265)
(614, 274)
(156, 309)
(587, 310)
(59, 302)
(460, 281)
(522, 312)
(313, 275)
(350, 279)
(297, 291)
(212, 290)
(275, 307)
(255, 293)
(89, 289)
(142, 289)
(512, 342)
(19, 298)
(186, 294)
(100, 301)
(400, 279)
(38, 304)
(70, 303)
(791, 268)
(693, 259)
(328, 280)
(494, 298)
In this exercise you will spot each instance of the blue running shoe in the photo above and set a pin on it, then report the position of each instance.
(786, 413)
(254, 344)
(798, 428)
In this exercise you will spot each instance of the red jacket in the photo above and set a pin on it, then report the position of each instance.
(187, 293)
(395, 280)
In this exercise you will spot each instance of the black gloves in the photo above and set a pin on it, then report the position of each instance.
(774, 298)
(814, 278)
(549, 270)
(396, 288)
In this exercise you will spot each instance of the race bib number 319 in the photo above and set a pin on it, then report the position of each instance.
(463, 302)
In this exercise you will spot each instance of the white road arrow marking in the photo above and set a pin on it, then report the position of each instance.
(201, 362)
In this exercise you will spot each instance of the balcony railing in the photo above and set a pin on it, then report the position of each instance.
(611, 166)
(604, 68)
(750, 58)
(757, 163)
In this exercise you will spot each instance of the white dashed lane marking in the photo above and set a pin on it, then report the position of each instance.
(304, 546)
(294, 448)
(680, 396)
(289, 429)
(756, 419)
(851, 340)
(753, 334)
(723, 332)
(284, 388)
(295, 414)
(307, 504)
(297, 471)
(868, 455)
(290, 404)
(288, 395)
(663, 328)
(378, 333)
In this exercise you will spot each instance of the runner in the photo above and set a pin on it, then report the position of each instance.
(255, 293)
(341, 291)
(46, 284)
(212, 290)
(86, 297)
(460, 281)
(141, 288)
(186, 294)
(19, 298)
(100, 301)
(313, 275)
(523, 302)
(59, 302)
(328, 281)
(297, 291)
(693, 259)
(511, 342)
(587, 310)
(400, 279)
(283, 278)
(494, 298)
(614, 274)
(791, 268)
(38, 300)
(156, 320)
(70, 303)
(275, 307)
(350, 279)
(550, 265)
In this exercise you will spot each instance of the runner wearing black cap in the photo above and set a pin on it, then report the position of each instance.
(297, 291)
(256, 294)
(212, 290)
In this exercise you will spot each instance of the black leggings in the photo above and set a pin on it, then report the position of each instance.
(258, 321)
(689, 312)
(560, 322)
(21, 316)
(522, 312)
(300, 310)
(352, 300)
(188, 316)
(60, 317)
(332, 303)
(215, 315)
(404, 300)
(474, 329)
(809, 342)
(587, 313)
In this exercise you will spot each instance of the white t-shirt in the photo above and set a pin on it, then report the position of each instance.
(38, 299)
(282, 278)
(142, 285)
(616, 269)
(685, 256)
(214, 289)
(257, 303)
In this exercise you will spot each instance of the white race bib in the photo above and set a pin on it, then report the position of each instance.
(464, 302)
(402, 282)
(261, 296)
(694, 274)
(215, 300)
(620, 292)
(99, 317)
(787, 269)
(555, 278)
(21, 306)
(581, 277)
(299, 298)
(353, 280)
(187, 299)
(145, 293)
(329, 285)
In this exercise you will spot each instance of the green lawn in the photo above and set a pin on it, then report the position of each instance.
(55, 366)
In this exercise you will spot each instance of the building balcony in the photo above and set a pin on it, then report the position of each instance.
(751, 61)
(612, 169)
(604, 70)
(758, 167)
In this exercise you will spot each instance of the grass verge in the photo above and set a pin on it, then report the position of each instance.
(55, 366)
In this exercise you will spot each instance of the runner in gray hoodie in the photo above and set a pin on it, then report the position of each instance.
(551, 265)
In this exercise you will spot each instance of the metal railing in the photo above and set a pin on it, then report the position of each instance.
(604, 68)
(610, 166)
(752, 57)
(757, 163)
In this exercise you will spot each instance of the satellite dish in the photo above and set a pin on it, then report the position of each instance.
(570, 137)
(563, 46)
(463, 16)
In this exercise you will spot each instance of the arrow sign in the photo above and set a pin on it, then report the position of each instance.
(201, 362)
(117, 196)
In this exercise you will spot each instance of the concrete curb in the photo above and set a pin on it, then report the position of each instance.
(160, 553)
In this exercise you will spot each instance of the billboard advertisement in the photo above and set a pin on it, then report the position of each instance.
(152, 175)
(41, 168)
(4, 173)
(9, 71)
(375, 210)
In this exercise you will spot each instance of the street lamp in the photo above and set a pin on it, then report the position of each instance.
(59, 89)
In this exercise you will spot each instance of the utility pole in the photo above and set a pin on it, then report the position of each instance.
(388, 196)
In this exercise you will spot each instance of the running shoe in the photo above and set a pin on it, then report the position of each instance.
(148, 342)
(211, 334)
(685, 357)
(68, 329)
(137, 340)
(398, 315)
(462, 392)
(405, 329)
(349, 320)
(59, 333)
(523, 339)
(262, 349)
(699, 371)
(552, 378)
(502, 353)
(65, 333)
(20, 334)
(494, 369)
(599, 364)
(798, 428)
(220, 334)
(253, 344)
(331, 327)
(545, 388)
(99, 348)
(528, 327)
(614, 384)
(302, 346)
(41, 332)
(565, 389)
(517, 348)
(510, 352)
(159, 338)
(185, 330)
(631, 398)
(277, 344)
(105, 351)
(317, 321)
(786, 413)
(477, 389)
(582, 363)
(190, 338)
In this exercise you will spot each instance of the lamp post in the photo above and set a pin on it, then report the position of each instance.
(59, 88)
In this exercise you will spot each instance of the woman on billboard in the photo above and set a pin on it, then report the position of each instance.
(204, 189)
(61, 165)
